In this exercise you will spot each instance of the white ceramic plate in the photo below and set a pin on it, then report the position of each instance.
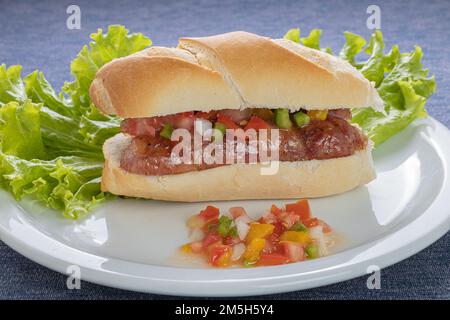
(131, 244)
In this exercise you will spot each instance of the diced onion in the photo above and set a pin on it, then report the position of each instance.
(195, 222)
(196, 234)
(244, 218)
(316, 233)
(238, 251)
(242, 228)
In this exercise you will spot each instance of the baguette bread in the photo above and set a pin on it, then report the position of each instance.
(302, 179)
(235, 70)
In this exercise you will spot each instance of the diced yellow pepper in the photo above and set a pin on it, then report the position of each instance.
(296, 236)
(259, 230)
(186, 248)
(318, 114)
(251, 254)
(224, 260)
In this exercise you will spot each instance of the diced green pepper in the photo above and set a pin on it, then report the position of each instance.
(212, 227)
(312, 251)
(220, 126)
(301, 119)
(218, 135)
(224, 225)
(249, 264)
(233, 232)
(282, 119)
(166, 131)
(299, 227)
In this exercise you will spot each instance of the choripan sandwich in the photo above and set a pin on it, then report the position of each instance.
(233, 81)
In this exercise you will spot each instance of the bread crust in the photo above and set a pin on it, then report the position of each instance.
(141, 86)
(230, 71)
(302, 179)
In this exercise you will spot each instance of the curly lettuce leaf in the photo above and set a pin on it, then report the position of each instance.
(116, 43)
(51, 143)
(20, 130)
(69, 184)
(59, 125)
(293, 35)
(400, 79)
(311, 41)
(380, 127)
(404, 86)
(11, 84)
(354, 44)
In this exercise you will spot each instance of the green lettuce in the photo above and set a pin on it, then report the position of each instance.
(311, 41)
(115, 43)
(20, 131)
(51, 143)
(354, 45)
(69, 184)
(399, 77)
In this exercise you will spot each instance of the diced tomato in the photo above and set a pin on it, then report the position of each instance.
(293, 250)
(272, 259)
(301, 208)
(325, 227)
(288, 219)
(237, 212)
(184, 120)
(229, 240)
(256, 123)
(271, 243)
(268, 218)
(140, 127)
(236, 115)
(278, 230)
(227, 121)
(211, 238)
(219, 255)
(275, 210)
(311, 222)
(210, 213)
(211, 115)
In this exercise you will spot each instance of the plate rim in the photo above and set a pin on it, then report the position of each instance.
(250, 281)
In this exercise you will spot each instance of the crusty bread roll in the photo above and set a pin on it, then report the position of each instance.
(302, 179)
(235, 70)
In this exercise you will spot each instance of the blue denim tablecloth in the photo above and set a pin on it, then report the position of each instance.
(34, 34)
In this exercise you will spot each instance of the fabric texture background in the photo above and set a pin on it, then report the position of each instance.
(34, 34)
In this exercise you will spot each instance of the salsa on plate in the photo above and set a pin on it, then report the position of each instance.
(281, 235)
